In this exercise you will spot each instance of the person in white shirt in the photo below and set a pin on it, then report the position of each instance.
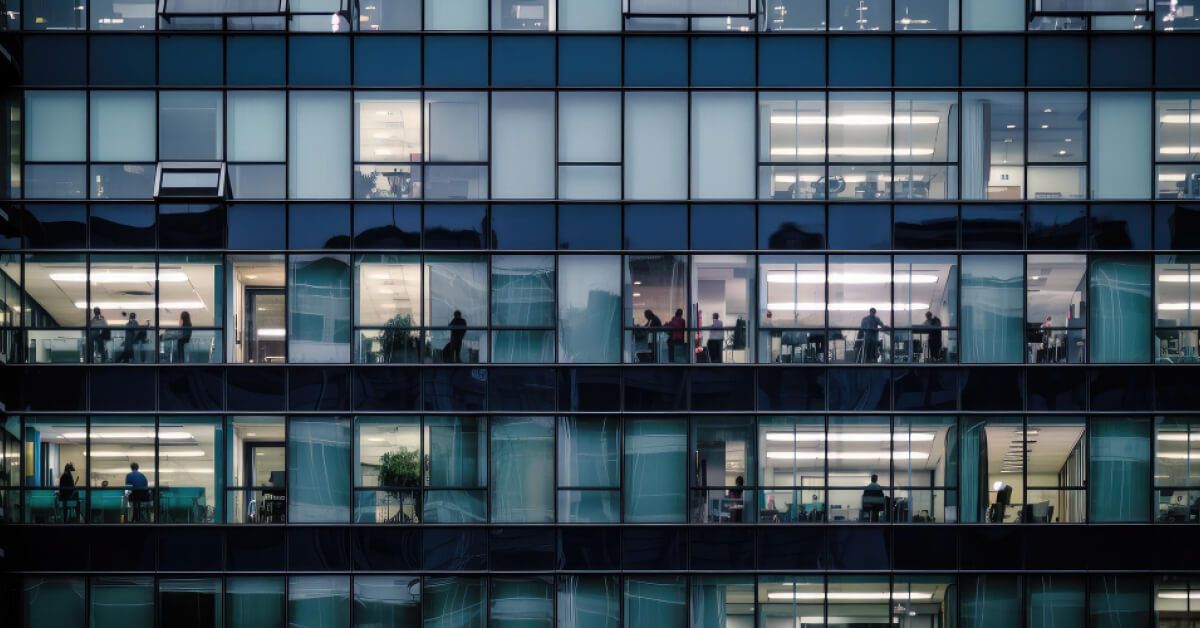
(716, 340)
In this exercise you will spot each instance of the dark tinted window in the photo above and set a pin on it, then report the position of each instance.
(456, 61)
(125, 60)
(1177, 227)
(122, 226)
(255, 61)
(319, 227)
(319, 60)
(387, 61)
(589, 227)
(860, 62)
(656, 227)
(1059, 61)
(777, 65)
(1120, 227)
(723, 61)
(589, 61)
(656, 61)
(55, 226)
(860, 226)
(54, 60)
(722, 227)
(191, 226)
(992, 226)
(791, 227)
(455, 226)
(926, 226)
(1121, 61)
(926, 61)
(190, 60)
(993, 61)
(523, 61)
(523, 227)
(387, 226)
(1056, 227)
(257, 226)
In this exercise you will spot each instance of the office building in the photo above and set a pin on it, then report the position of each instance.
(600, 313)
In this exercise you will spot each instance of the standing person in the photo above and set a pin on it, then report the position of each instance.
(737, 496)
(935, 336)
(66, 490)
(653, 327)
(100, 335)
(131, 334)
(678, 335)
(1047, 338)
(870, 326)
(184, 337)
(139, 491)
(458, 331)
(716, 340)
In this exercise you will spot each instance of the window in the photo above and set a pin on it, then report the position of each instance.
(55, 15)
(925, 309)
(589, 15)
(993, 15)
(1120, 310)
(256, 134)
(114, 280)
(319, 600)
(860, 316)
(860, 15)
(387, 145)
(657, 313)
(318, 145)
(53, 601)
(926, 134)
(387, 314)
(456, 15)
(456, 452)
(189, 126)
(319, 308)
(722, 288)
(589, 145)
(722, 145)
(791, 129)
(992, 290)
(1177, 144)
(656, 145)
(792, 309)
(455, 296)
(523, 15)
(122, 601)
(1176, 278)
(1056, 320)
(926, 15)
(523, 308)
(1176, 468)
(589, 471)
(792, 468)
(523, 143)
(723, 465)
(255, 468)
(456, 136)
(389, 15)
(59, 454)
(589, 308)
(55, 131)
(122, 126)
(993, 146)
(655, 458)
(388, 470)
(1120, 164)
(1057, 135)
(254, 601)
(925, 464)
(1119, 451)
(522, 478)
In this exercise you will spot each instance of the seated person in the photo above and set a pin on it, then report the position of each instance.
(873, 500)
(139, 492)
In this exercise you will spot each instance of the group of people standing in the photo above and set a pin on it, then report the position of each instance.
(135, 333)
(676, 330)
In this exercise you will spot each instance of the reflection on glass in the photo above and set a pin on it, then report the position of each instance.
(389, 470)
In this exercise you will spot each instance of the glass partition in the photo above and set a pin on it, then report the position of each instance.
(256, 469)
(1177, 469)
(1177, 308)
(1056, 309)
(791, 305)
(723, 466)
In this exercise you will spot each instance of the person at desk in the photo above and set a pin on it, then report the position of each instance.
(738, 505)
(139, 491)
(100, 335)
(677, 336)
(653, 325)
(873, 500)
(716, 340)
(67, 492)
(935, 336)
(452, 352)
(870, 326)
(1047, 338)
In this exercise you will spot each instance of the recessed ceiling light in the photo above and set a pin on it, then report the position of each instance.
(1045, 126)
(1047, 110)
(1011, 126)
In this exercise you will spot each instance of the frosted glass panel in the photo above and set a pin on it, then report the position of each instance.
(723, 145)
(992, 308)
(456, 15)
(655, 457)
(522, 482)
(589, 183)
(656, 135)
(123, 126)
(993, 15)
(1121, 150)
(456, 126)
(588, 127)
(1120, 310)
(319, 145)
(589, 15)
(54, 126)
(189, 126)
(256, 121)
(523, 145)
(318, 470)
(589, 308)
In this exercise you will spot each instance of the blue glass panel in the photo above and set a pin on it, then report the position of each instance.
(322, 226)
(1056, 226)
(723, 61)
(722, 227)
(589, 227)
(190, 60)
(589, 61)
(54, 60)
(655, 61)
(122, 226)
(256, 226)
(452, 61)
(1170, 51)
(791, 62)
(318, 60)
(523, 61)
(455, 226)
(993, 61)
(791, 227)
(1117, 227)
(860, 227)
(993, 227)
(56, 227)
(523, 227)
(926, 61)
(1059, 61)
(860, 61)
(385, 61)
(126, 60)
(390, 226)
(926, 226)
(656, 227)
(1177, 227)
(255, 60)
(1121, 61)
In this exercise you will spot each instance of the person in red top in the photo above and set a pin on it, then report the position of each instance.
(678, 335)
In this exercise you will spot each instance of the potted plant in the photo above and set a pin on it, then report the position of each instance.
(396, 341)
(400, 476)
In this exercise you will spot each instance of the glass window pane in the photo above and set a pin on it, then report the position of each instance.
(319, 470)
(860, 15)
(55, 124)
(254, 602)
(723, 470)
(1119, 469)
(994, 15)
(190, 462)
(1055, 299)
(992, 302)
(53, 602)
(926, 308)
(389, 462)
(456, 15)
(318, 145)
(589, 308)
(656, 298)
(589, 15)
(722, 145)
(1055, 602)
(319, 602)
(656, 601)
(456, 125)
(656, 145)
(722, 293)
(256, 126)
(926, 129)
(319, 308)
(926, 15)
(523, 144)
(456, 451)
(993, 146)
(1119, 601)
(522, 480)
(655, 459)
(1120, 151)
(720, 601)
(792, 128)
(190, 602)
(117, 601)
(588, 452)
(453, 601)
(860, 127)
(390, 15)
(523, 290)
(387, 127)
(925, 469)
(1058, 127)
(589, 126)
(387, 601)
(523, 15)
(123, 126)
(189, 126)
(1120, 310)
(589, 602)
(455, 291)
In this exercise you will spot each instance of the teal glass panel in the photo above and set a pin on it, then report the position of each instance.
(523, 290)
(455, 506)
(721, 601)
(319, 602)
(588, 451)
(655, 463)
(123, 602)
(190, 602)
(990, 601)
(1056, 602)
(456, 451)
(1119, 469)
(521, 346)
(993, 290)
(1119, 602)
(387, 601)
(319, 470)
(254, 602)
(656, 601)
(589, 506)
(589, 602)
(54, 602)
(1120, 310)
(453, 603)
(522, 602)
(319, 308)
(522, 483)
(589, 308)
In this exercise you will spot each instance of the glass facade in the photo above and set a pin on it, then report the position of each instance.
(728, 313)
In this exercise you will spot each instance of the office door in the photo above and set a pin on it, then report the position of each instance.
(266, 325)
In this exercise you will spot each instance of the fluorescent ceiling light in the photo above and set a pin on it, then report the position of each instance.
(845, 307)
(271, 332)
(1180, 118)
(1179, 150)
(1176, 307)
(1177, 455)
(120, 276)
(140, 305)
(850, 151)
(149, 453)
(1179, 278)
(854, 119)
(127, 435)
(853, 278)
(1168, 177)
(846, 455)
(1179, 595)
(196, 470)
(852, 437)
(849, 596)
(1180, 438)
